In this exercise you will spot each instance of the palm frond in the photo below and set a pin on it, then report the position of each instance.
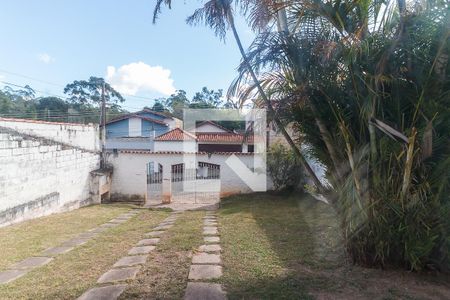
(214, 14)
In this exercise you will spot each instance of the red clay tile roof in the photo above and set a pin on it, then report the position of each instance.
(176, 134)
(181, 152)
(221, 137)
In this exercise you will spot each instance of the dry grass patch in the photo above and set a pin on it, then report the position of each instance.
(71, 274)
(166, 272)
(280, 247)
(29, 238)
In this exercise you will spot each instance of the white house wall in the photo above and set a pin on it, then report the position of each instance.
(173, 123)
(130, 171)
(175, 146)
(129, 179)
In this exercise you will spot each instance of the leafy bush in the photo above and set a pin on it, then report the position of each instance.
(372, 100)
(284, 168)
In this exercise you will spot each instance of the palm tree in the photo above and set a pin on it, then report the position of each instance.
(384, 92)
(218, 15)
(261, 10)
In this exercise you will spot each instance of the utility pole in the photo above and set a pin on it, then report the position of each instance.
(103, 127)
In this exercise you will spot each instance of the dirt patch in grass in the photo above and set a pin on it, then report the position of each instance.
(279, 247)
(71, 274)
(31, 237)
(166, 272)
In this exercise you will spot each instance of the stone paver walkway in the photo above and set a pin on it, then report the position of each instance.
(127, 267)
(104, 293)
(21, 268)
(206, 265)
(201, 290)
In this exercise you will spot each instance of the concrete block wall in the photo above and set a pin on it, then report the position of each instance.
(39, 176)
(76, 135)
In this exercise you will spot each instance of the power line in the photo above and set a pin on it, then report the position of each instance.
(31, 78)
(60, 114)
(62, 86)
(54, 95)
(23, 87)
(47, 114)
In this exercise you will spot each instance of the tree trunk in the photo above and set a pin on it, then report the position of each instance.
(351, 161)
(294, 147)
(282, 20)
(408, 165)
(326, 137)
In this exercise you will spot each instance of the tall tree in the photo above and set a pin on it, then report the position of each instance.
(383, 95)
(18, 103)
(158, 106)
(207, 99)
(90, 91)
(176, 103)
(52, 109)
(219, 16)
(25, 93)
(6, 104)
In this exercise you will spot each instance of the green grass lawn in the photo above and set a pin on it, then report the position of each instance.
(289, 247)
(71, 274)
(31, 237)
(274, 247)
(166, 272)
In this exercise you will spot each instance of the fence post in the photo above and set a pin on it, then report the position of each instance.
(167, 184)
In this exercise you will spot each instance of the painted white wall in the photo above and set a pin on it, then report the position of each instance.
(134, 127)
(129, 177)
(130, 174)
(176, 146)
(244, 148)
(78, 135)
(209, 128)
(38, 177)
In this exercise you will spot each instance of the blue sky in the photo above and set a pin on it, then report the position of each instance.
(60, 41)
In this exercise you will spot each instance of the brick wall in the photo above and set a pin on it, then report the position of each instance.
(40, 176)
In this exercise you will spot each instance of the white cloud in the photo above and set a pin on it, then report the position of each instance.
(45, 58)
(137, 77)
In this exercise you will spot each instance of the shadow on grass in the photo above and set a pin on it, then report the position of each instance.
(290, 247)
(281, 240)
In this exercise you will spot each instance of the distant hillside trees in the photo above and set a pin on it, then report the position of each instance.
(22, 103)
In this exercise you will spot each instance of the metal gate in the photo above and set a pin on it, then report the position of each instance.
(191, 186)
(194, 186)
(154, 184)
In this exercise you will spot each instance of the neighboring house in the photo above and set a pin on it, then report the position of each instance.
(207, 137)
(136, 131)
(274, 135)
(190, 166)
